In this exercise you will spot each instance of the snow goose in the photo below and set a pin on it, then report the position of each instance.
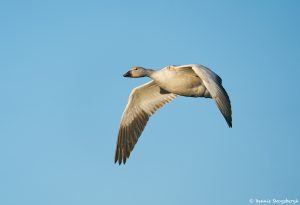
(191, 80)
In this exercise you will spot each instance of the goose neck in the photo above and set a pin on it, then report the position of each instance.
(150, 72)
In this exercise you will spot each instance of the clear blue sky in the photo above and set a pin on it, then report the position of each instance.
(62, 96)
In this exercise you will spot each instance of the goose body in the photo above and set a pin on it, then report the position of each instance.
(180, 81)
(191, 80)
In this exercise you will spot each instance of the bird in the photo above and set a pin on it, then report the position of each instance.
(191, 80)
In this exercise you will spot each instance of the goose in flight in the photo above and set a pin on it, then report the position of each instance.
(166, 84)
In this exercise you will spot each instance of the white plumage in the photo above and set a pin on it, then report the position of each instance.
(191, 80)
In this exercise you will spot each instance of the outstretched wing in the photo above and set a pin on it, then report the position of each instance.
(213, 84)
(142, 103)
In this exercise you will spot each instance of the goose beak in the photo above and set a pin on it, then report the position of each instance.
(128, 74)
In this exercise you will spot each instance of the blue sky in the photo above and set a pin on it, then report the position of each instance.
(62, 96)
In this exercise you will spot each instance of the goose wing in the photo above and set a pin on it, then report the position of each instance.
(142, 103)
(213, 84)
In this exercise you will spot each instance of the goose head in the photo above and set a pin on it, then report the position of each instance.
(136, 72)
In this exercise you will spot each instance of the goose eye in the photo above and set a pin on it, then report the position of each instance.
(136, 69)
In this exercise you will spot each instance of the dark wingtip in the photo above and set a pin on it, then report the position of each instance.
(116, 160)
(120, 161)
(229, 122)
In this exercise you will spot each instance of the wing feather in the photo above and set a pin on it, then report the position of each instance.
(142, 103)
(213, 84)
